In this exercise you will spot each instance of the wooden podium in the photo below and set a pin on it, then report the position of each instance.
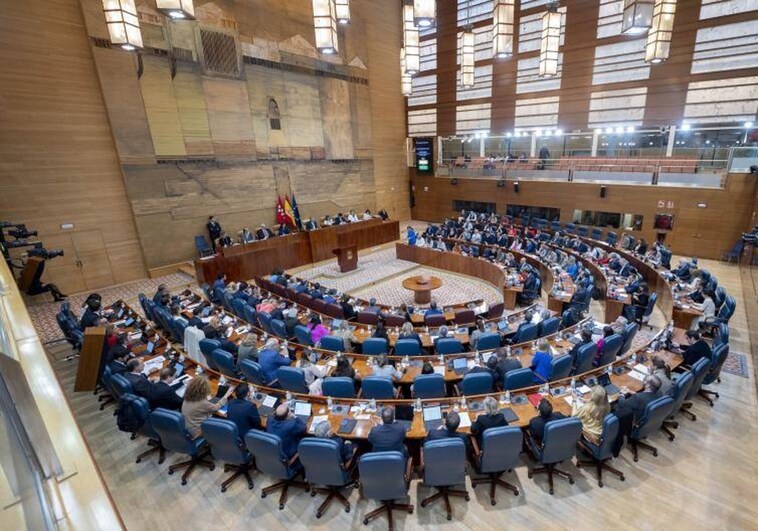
(347, 258)
(30, 271)
(90, 358)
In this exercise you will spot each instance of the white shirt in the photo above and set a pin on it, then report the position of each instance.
(192, 337)
(366, 217)
(352, 218)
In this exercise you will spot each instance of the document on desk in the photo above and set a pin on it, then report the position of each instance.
(637, 375)
(641, 368)
(465, 421)
(569, 399)
(317, 419)
(269, 401)
(439, 369)
(152, 366)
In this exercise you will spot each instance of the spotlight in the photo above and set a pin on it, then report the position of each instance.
(748, 125)
(686, 127)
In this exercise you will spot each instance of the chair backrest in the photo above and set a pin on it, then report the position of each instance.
(548, 326)
(304, 299)
(650, 305)
(560, 440)
(266, 448)
(225, 441)
(721, 336)
(465, 317)
(238, 306)
(488, 341)
(302, 335)
(584, 357)
(224, 362)
(449, 345)
(496, 310)
(333, 343)
(264, 318)
(582, 231)
(319, 305)
(375, 345)
(174, 436)
(477, 383)
(202, 245)
(280, 330)
(393, 320)
(680, 390)
(519, 378)
(719, 296)
(338, 387)
(377, 387)
(597, 233)
(611, 347)
(611, 428)
(727, 309)
(526, 333)
(369, 318)
(429, 386)
(207, 346)
(407, 347)
(383, 475)
(610, 238)
(699, 371)
(252, 372)
(322, 462)
(434, 319)
(718, 357)
(292, 379)
(568, 317)
(501, 447)
(249, 315)
(656, 412)
(630, 330)
(120, 385)
(335, 311)
(560, 367)
(444, 462)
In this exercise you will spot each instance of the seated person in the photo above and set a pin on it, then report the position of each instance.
(491, 418)
(242, 411)
(119, 358)
(505, 364)
(696, 348)
(246, 236)
(450, 431)
(372, 307)
(310, 224)
(317, 329)
(196, 407)
(288, 427)
(663, 372)
(407, 332)
(592, 413)
(140, 384)
(607, 332)
(224, 240)
(161, 393)
(271, 357)
(433, 310)
(314, 374)
(248, 349)
(344, 369)
(384, 369)
(347, 309)
(381, 331)
(283, 230)
(442, 334)
(635, 405)
(323, 430)
(538, 423)
(388, 436)
(586, 337)
(263, 233)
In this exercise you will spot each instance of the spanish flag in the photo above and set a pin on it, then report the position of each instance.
(289, 214)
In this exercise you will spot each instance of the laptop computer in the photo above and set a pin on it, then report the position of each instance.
(460, 365)
(502, 325)
(432, 417)
(150, 347)
(303, 410)
(129, 322)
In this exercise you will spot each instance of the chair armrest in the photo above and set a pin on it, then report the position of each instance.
(293, 460)
(475, 446)
(409, 468)
(422, 456)
(456, 391)
(351, 462)
(360, 393)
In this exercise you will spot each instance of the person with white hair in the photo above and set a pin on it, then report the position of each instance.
(323, 430)
(271, 357)
(491, 418)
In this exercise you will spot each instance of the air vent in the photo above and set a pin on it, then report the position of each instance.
(219, 53)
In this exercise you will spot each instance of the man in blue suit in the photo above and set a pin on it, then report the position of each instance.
(270, 359)
(243, 412)
(388, 436)
(288, 427)
(449, 431)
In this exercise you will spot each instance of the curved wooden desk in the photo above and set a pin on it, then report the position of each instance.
(422, 287)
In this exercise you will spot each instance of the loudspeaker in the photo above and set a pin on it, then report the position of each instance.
(602, 191)
(515, 187)
(501, 183)
(453, 181)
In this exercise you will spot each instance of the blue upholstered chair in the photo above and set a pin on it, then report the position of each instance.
(302, 334)
(207, 346)
(526, 333)
(718, 357)
(679, 392)
(238, 307)
(264, 319)
(407, 347)
(597, 234)
(499, 453)
(266, 449)
(228, 447)
(120, 386)
(169, 425)
(581, 231)
(559, 444)
(488, 341)
(477, 383)
(429, 386)
(139, 409)
(385, 477)
(249, 314)
(518, 379)
(602, 453)
(324, 467)
(375, 345)
(721, 335)
(652, 420)
(377, 387)
(699, 372)
(202, 246)
(280, 330)
(560, 367)
(338, 387)
(630, 330)
(610, 238)
(252, 372)
(444, 465)
(548, 326)
(585, 355)
(292, 379)
(611, 347)
(449, 345)
(644, 316)
(332, 343)
(569, 317)
(224, 362)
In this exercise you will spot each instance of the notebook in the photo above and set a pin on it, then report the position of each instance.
(460, 365)
(303, 410)
(347, 426)
(509, 414)
(534, 399)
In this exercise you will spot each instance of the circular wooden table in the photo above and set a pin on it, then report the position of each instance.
(422, 286)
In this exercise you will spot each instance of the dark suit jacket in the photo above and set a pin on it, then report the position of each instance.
(699, 349)
(117, 367)
(162, 395)
(244, 414)
(290, 431)
(347, 310)
(636, 404)
(346, 450)
(388, 438)
(140, 384)
(538, 423)
(504, 366)
(89, 318)
(444, 433)
(290, 323)
(196, 321)
(485, 421)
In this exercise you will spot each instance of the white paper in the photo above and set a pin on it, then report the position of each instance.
(269, 401)
(316, 420)
(637, 376)
(584, 389)
(641, 368)
(439, 369)
(569, 399)
(152, 366)
(465, 421)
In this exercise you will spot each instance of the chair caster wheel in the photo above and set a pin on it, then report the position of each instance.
(515, 493)
(138, 460)
(318, 515)
(493, 502)
(281, 506)
(410, 511)
(313, 494)
(529, 475)
(170, 472)
(467, 498)
(449, 517)
(365, 521)
(423, 504)
(212, 467)
(250, 486)
(184, 482)
(223, 489)
(600, 484)
(636, 459)
(622, 478)
(347, 509)
(263, 494)
(571, 481)
(551, 492)
(655, 454)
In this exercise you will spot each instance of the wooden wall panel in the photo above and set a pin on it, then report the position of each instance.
(58, 161)
(335, 115)
(193, 113)
(705, 232)
(229, 116)
(161, 107)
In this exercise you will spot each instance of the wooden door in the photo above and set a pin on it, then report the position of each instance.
(93, 258)
(64, 271)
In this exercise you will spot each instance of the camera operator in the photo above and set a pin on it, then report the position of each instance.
(37, 287)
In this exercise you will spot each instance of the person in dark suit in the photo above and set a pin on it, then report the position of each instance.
(538, 423)
(243, 412)
(196, 320)
(91, 316)
(450, 431)
(263, 233)
(162, 394)
(288, 427)
(347, 308)
(119, 358)
(316, 292)
(140, 384)
(214, 230)
(491, 418)
(698, 348)
(225, 240)
(586, 335)
(291, 320)
(323, 430)
(635, 405)
(283, 230)
(388, 436)
(505, 364)
(310, 224)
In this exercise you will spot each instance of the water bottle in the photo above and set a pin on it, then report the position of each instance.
(253, 391)
(508, 350)
(290, 400)
(573, 385)
(478, 358)
(406, 361)
(329, 403)
(442, 360)
(546, 389)
(508, 397)
(417, 405)
(372, 404)
(463, 403)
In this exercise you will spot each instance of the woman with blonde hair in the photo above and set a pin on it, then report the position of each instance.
(197, 407)
(592, 413)
(346, 334)
(248, 349)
